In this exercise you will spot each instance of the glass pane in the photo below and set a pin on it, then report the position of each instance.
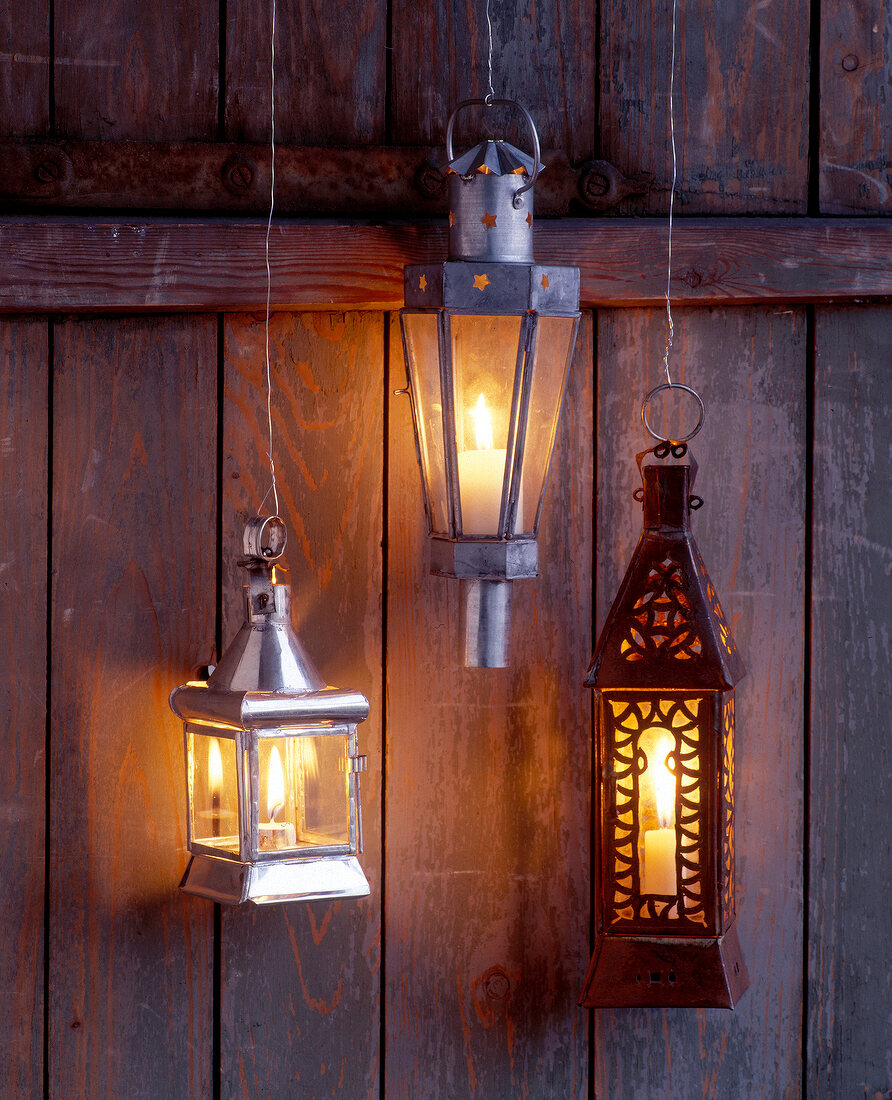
(658, 837)
(484, 358)
(213, 790)
(551, 361)
(422, 353)
(304, 796)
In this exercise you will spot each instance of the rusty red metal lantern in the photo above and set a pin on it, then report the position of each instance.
(663, 674)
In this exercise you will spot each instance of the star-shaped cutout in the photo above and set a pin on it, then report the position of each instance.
(489, 220)
(451, 219)
(481, 282)
(545, 282)
(530, 220)
(422, 283)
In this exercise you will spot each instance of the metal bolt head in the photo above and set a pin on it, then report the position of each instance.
(430, 181)
(48, 171)
(850, 62)
(238, 175)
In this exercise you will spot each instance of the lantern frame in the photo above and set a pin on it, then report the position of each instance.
(665, 664)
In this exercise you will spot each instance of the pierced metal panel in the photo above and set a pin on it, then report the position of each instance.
(630, 723)
(661, 617)
(727, 816)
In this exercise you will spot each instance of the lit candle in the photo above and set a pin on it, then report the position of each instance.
(276, 834)
(658, 874)
(481, 473)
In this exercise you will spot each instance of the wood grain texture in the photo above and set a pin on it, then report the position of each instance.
(25, 68)
(543, 56)
(749, 366)
(850, 983)
(741, 104)
(66, 264)
(331, 65)
(134, 445)
(856, 107)
(301, 982)
(130, 69)
(488, 801)
(23, 584)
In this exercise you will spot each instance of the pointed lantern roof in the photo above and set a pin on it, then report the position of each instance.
(493, 158)
(666, 629)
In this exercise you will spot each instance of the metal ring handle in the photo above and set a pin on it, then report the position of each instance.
(498, 103)
(672, 386)
(265, 538)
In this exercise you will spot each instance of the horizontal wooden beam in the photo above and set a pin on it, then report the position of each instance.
(311, 181)
(112, 265)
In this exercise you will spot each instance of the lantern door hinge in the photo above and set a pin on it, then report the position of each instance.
(353, 764)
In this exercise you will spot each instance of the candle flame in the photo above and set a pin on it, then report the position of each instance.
(664, 782)
(275, 785)
(482, 425)
(215, 766)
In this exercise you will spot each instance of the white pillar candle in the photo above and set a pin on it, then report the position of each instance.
(480, 476)
(274, 834)
(659, 862)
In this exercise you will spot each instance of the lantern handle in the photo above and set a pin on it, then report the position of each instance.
(265, 538)
(499, 103)
(672, 386)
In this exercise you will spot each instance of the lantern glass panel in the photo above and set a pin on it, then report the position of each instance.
(420, 332)
(303, 792)
(213, 790)
(550, 363)
(484, 361)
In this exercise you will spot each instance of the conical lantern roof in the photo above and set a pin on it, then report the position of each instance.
(495, 158)
(666, 628)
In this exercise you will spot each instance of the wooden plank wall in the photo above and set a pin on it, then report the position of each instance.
(131, 451)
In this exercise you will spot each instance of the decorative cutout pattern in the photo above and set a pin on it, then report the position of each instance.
(711, 595)
(627, 718)
(661, 618)
(728, 899)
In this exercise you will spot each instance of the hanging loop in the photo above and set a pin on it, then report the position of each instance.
(672, 443)
(265, 538)
(489, 102)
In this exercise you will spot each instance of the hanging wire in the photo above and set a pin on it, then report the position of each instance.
(490, 94)
(272, 205)
(671, 328)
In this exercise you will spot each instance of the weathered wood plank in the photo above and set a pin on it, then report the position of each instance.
(23, 584)
(134, 446)
(331, 64)
(749, 366)
(300, 982)
(856, 107)
(66, 264)
(850, 938)
(24, 68)
(741, 104)
(543, 56)
(128, 69)
(488, 801)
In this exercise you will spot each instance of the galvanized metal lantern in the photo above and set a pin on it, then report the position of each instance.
(271, 757)
(663, 674)
(488, 335)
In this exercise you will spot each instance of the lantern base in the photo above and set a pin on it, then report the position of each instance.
(664, 972)
(232, 883)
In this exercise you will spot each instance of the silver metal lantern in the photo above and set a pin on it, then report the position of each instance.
(488, 337)
(271, 757)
